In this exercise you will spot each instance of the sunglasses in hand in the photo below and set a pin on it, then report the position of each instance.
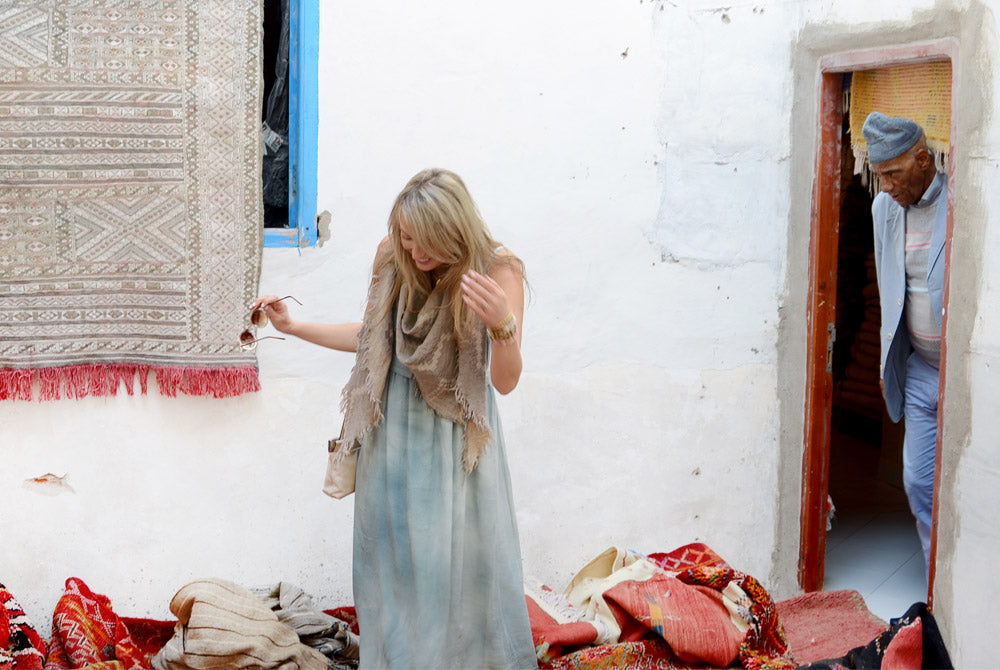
(258, 319)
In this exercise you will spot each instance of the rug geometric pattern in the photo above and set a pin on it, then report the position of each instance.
(130, 218)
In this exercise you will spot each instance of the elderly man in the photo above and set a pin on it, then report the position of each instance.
(910, 221)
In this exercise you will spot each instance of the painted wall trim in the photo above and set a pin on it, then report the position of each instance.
(901, 54)
(303, 127)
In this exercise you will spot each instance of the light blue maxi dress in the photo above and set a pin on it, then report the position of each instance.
(437, 563)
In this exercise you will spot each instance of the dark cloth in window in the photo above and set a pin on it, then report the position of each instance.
(275, 131)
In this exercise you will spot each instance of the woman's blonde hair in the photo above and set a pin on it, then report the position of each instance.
(444, 221)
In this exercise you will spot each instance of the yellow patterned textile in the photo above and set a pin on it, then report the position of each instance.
(920, 92)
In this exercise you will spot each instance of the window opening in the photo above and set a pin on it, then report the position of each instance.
(289, 122)
(274, 113)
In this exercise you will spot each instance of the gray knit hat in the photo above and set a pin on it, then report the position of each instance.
(889, 136)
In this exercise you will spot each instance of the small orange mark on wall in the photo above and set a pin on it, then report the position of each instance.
(49, 484)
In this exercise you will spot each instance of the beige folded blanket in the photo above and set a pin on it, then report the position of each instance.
(223, 625)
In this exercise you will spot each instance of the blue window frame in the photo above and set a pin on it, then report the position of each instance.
(303, 124)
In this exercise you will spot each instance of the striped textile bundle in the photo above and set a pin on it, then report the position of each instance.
(323, 631)
(223, 625)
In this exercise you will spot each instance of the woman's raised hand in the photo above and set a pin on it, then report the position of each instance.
(485, 297)
(275, 311)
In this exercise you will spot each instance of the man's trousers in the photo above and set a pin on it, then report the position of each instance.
(920, 444)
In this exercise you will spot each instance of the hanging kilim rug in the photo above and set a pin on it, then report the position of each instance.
(920, 92)
(130, 221)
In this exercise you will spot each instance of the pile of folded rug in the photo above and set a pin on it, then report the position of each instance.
(680, 610)
(219, 624)
(683, 609)
(224, 624)
(689, 609)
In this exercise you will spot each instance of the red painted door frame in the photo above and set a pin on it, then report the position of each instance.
(821, 303)
(823, 244)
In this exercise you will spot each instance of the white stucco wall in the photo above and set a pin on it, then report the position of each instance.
(646, 161)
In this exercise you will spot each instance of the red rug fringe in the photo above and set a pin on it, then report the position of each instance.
(100, 380)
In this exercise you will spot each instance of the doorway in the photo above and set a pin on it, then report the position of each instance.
(872, 544)
(851, 448)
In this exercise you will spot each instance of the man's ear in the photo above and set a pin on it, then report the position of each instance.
(924, 158)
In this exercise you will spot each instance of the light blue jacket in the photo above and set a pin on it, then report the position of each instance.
(889, 221)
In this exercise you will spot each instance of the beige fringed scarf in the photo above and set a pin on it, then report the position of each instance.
(450, 375)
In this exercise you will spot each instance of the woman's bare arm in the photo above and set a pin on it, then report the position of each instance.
(339, 336)
(492, 297)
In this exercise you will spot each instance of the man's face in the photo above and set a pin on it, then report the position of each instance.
(906, 177)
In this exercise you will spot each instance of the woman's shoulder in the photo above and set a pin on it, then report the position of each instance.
(384, 251)
(505, 262)
(505, 258)
(384, 261)
(384, 245)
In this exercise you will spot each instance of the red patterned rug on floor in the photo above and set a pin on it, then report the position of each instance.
(86, 632)
(822, 625)
(682, 609)
(21, 646)
(827, 624)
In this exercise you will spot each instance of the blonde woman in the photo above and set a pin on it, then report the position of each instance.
(437, 564)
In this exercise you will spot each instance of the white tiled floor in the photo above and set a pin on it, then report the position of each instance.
(873, 546)
(877, 554)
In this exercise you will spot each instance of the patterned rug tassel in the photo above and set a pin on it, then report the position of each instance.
(216, 382)
(80, 381)
(15, 385)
